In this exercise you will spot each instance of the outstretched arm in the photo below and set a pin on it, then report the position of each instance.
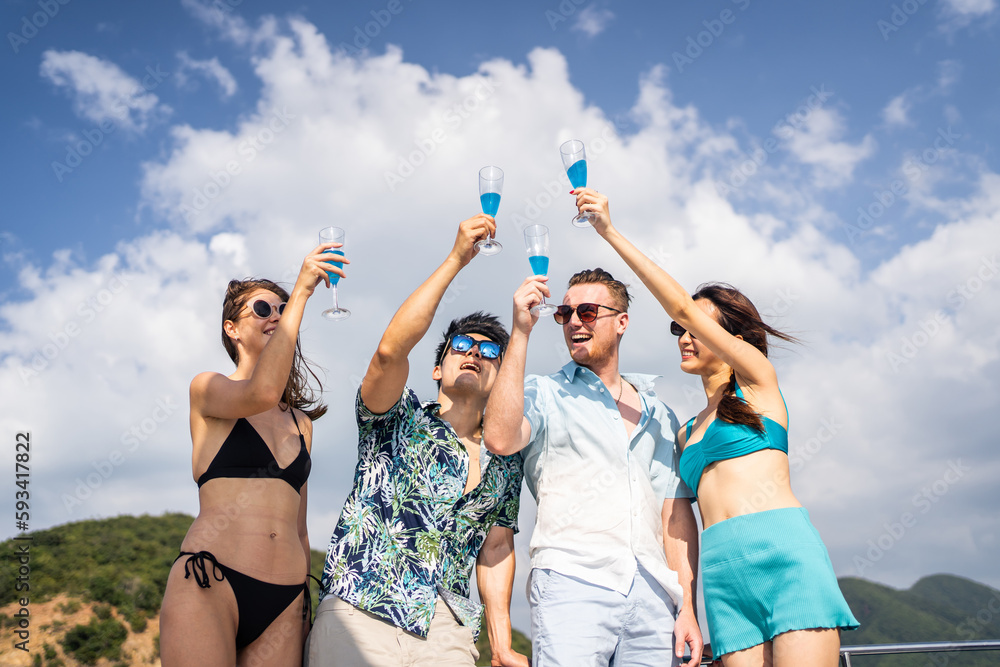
(745, 359)
(387, 372)
(495, 577)
(680, 543)
(505, 428)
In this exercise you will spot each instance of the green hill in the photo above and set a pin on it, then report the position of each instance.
(122, 565)
(122, 561)
(937, 608)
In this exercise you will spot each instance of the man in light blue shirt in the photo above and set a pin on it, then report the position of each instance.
(614, 549)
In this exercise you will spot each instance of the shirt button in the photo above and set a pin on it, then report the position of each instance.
(602, 390)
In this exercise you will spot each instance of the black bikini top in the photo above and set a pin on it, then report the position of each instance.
(245, 455)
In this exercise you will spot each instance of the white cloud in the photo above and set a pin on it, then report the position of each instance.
(592, 21)
(211, 69)
(949, 72)
(971, 8)
(390, 151)
(896, 112)
(222, 17)
(958, 14)
(100, 90)
(816, 143)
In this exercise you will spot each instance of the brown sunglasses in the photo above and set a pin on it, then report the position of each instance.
(586, 311)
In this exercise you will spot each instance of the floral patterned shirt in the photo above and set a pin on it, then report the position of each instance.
(407, 532)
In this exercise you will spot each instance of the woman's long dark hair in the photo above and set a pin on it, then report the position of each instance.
(298, 393)
(737, 315)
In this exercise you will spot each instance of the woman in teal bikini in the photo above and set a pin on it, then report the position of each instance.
(771, 596)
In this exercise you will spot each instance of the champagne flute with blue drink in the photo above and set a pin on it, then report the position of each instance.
(334, 235)
(490, 189)
(574, 159)
(536, 242)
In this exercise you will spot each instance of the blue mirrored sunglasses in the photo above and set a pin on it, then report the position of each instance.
(487, 348)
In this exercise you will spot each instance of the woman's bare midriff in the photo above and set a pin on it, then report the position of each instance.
(250, 525)
(753, 483)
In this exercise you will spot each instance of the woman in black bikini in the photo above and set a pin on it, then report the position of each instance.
(237, 593)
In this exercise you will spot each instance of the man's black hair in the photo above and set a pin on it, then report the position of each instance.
(478, 322)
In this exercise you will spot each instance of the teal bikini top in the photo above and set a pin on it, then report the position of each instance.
(724, 440)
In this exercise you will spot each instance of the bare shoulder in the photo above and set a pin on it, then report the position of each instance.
(203, 381)
(200, 387)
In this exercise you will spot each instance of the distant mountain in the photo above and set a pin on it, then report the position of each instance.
(95, 592)
(941, 607)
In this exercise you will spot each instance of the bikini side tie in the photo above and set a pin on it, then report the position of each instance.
(196, 563)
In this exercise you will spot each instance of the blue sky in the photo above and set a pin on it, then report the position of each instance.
(757, 69)
(836, 160)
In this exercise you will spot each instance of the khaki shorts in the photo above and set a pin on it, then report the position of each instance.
(345, 636)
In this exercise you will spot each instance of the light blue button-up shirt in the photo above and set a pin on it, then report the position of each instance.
(600, 492)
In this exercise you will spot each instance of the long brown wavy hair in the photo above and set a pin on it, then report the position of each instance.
(298, 393)
(737, 315)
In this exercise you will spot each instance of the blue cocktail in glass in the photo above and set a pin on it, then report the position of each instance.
(334, 235)
(574, 158)
(536, 242)
(490, 189)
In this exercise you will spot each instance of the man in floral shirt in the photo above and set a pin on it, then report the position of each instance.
(429, 501)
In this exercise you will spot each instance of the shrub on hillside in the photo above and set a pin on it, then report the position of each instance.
(98, 639)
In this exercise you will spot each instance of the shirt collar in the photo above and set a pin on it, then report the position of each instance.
(641, 381)
(433, 408)
(570, 369)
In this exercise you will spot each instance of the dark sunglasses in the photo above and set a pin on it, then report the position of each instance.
(586, 311)
(487, 348)
(678, 330)
(264, 310)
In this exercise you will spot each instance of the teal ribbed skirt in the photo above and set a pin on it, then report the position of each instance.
(767, 573)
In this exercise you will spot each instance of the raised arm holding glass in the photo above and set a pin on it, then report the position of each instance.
(771, 596)
(614, 549)
(248, 550)
(428, 503)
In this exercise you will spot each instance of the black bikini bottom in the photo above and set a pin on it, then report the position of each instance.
(258, 602)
